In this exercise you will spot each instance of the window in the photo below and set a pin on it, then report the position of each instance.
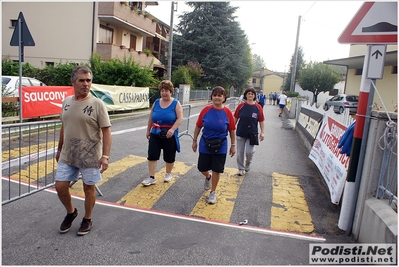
(133, 40)
(49, 63)
(106, 35)
(253, 80)
(394, 69)
(358, 71)
(13, 23)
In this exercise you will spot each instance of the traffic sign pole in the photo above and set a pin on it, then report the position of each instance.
(360, 136)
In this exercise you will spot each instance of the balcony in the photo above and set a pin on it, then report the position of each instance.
(121, 16)
(108, 51)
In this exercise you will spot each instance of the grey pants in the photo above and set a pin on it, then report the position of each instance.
(245, 153)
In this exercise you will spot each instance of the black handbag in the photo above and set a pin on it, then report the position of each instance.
(253, 138)
(213, 145)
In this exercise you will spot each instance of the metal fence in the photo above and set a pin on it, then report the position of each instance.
(184, 126)
(28, 156)
(388, 178)
(28, 162)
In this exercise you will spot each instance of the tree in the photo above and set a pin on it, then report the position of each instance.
(258, 62)
(300, 64)
(317, 77)
(210, 36)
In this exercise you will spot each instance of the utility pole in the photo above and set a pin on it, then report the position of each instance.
(292, 85)
(169, 70)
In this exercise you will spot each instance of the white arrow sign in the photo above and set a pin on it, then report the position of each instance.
(376, 62)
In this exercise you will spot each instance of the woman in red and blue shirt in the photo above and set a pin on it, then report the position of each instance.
(217, 122)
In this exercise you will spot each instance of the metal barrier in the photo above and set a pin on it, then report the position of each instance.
(388, 179)
(233, 103)
(28, 161)
(28, 156)
(184, 126)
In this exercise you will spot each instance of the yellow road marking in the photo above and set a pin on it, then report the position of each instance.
(114, 168)
(147, 196)
(290, 211)
(24, 151)
(35, 171)
(226, 193)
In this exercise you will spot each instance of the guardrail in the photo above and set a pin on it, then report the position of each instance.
(28, 162)
(28, 156)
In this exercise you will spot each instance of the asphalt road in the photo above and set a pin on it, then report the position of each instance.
(283, 200)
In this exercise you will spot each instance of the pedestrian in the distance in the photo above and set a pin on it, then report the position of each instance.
(216, 122)
(282, 103)
(271, 98)
(162, 132)
(84, 147)
(261, 99)
(248, 115)
(274, 98)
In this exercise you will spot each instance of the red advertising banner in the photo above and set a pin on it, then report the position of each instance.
(326, 155)
(40, 101)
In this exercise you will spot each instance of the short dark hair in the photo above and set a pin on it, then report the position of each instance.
(219, 90)
(80, 69)
(250, 89)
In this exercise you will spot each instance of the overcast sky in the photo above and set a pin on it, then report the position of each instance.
(271, 27)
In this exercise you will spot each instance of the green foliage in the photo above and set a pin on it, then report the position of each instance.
(8, 108)
(124, 72)
(292, 94)
(196, 72)
(258, 62)
(181, 76)
(300, 65)
(210, 36)
(317, 77)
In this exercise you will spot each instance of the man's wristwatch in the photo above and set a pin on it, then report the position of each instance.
(105, 156)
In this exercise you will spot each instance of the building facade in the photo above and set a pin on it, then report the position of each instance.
(73, 31)
(387, 86)
(266, 80)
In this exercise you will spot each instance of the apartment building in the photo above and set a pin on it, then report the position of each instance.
(267, 80)
(73, 31)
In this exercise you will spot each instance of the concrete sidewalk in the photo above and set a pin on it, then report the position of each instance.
(128, 236)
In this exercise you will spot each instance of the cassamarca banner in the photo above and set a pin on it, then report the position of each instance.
(38, 101)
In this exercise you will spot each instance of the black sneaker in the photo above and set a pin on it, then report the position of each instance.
(85, 227)
(67, 223)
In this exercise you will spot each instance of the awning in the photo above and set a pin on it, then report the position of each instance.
(391, 59)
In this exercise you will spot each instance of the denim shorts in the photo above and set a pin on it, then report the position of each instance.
(67, 173)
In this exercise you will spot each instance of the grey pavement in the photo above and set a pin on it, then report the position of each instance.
(128, 236)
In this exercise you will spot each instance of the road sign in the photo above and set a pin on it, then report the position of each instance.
(26, 37)
(374, 23)
(376, 61)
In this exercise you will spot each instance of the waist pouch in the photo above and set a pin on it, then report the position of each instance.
(163, 132)
(213, 145)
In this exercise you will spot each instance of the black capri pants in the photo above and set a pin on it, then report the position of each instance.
(156, 144)
(214, 162)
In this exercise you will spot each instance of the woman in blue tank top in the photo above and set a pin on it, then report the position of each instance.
(162, 132)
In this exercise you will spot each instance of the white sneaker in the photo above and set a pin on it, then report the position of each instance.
(168, 177)
(148, 181)
(212, 197)
(240, 173)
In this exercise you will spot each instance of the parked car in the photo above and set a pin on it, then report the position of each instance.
(341, 102)
(11, 84)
